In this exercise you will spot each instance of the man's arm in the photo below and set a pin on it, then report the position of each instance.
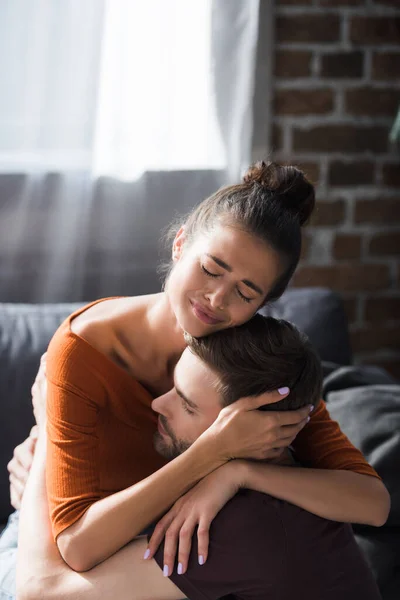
(42, 573)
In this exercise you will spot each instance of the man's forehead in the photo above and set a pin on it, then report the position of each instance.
(194, 378)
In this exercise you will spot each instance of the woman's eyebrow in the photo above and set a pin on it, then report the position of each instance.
(247, 282)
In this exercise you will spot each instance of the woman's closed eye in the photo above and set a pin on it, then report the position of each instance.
(242, 296)
(208, 272)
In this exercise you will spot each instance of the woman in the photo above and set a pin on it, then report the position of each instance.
(236, 251)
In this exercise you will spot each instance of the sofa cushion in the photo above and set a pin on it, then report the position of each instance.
(320, 314)
(25, 331)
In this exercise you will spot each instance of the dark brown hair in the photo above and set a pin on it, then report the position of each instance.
(272, 203)
(262, 355)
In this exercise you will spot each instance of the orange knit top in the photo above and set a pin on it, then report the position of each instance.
(100, 429)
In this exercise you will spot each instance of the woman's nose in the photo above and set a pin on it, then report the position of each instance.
(218, 297)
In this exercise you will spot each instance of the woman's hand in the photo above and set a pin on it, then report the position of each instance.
(39, 394)
(197, 508)
(19, 467)
(241, 431)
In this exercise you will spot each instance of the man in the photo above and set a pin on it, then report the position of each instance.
(260, 547)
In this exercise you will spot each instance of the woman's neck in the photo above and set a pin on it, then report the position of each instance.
(165, 332)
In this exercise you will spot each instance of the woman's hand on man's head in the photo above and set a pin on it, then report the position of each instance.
(241, 431)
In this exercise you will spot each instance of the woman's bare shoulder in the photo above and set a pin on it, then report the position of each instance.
(99, 324)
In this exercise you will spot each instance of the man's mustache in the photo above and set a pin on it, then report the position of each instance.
(164, 423)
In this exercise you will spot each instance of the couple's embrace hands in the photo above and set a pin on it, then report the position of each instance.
(240, 432)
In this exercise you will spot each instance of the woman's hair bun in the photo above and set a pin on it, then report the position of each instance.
(287, 181)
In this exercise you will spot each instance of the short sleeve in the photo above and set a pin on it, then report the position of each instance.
(247, 554)
(74, 397)
(322, 444)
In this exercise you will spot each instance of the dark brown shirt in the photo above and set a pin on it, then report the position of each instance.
(262, 548)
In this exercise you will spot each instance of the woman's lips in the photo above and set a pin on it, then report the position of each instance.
(204, 317)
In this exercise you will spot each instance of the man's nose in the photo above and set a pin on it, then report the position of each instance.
(159, 405)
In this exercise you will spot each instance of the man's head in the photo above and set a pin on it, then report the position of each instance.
(261, 355)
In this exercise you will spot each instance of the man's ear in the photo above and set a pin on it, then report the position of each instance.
(178, 245)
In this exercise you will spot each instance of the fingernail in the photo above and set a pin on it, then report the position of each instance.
(308, 419)
(311, 408)
(201, 560)
(283, 390)
(180, 568)
(165, 571)
(146, 554)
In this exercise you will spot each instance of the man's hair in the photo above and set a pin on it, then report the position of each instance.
(259, 356)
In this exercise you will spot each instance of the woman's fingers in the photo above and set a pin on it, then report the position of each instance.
(253, 402)
(185, 545)
(203, 540)
(170, 547)
(158, 535)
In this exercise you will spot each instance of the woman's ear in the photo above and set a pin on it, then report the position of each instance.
(178, 245)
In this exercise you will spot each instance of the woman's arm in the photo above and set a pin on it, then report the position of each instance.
(336, 495)
(339, 485)
(112, 522)
(42, 573)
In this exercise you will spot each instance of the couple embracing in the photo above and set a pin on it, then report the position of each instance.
(146, 412)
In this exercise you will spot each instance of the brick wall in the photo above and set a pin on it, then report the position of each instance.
(336, 94)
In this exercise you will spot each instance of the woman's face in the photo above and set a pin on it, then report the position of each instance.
(219, 280)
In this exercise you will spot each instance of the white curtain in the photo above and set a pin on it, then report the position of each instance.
(155, 94)
(120, 87)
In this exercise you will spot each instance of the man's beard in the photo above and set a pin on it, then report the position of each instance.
(169, 446)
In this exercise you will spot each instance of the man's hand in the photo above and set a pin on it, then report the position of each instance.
(19, 467)
(39, 394)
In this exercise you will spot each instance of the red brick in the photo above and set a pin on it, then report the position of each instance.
(277, 138)
(377, 211)
(350, 308)
(375, 337)
(341, 138)
(385, 66)
(311, 170)
(328, 213)
(341, 2)
(391, 174)
(342, 65)
(385, 244)
(303, 102)
(344, 277)
(347, 246)
(375, 30)
(292, 63)
(370, 101)
(382, 309)
(308, 28)
(354, 173)
(394, 3)
(296, 2)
